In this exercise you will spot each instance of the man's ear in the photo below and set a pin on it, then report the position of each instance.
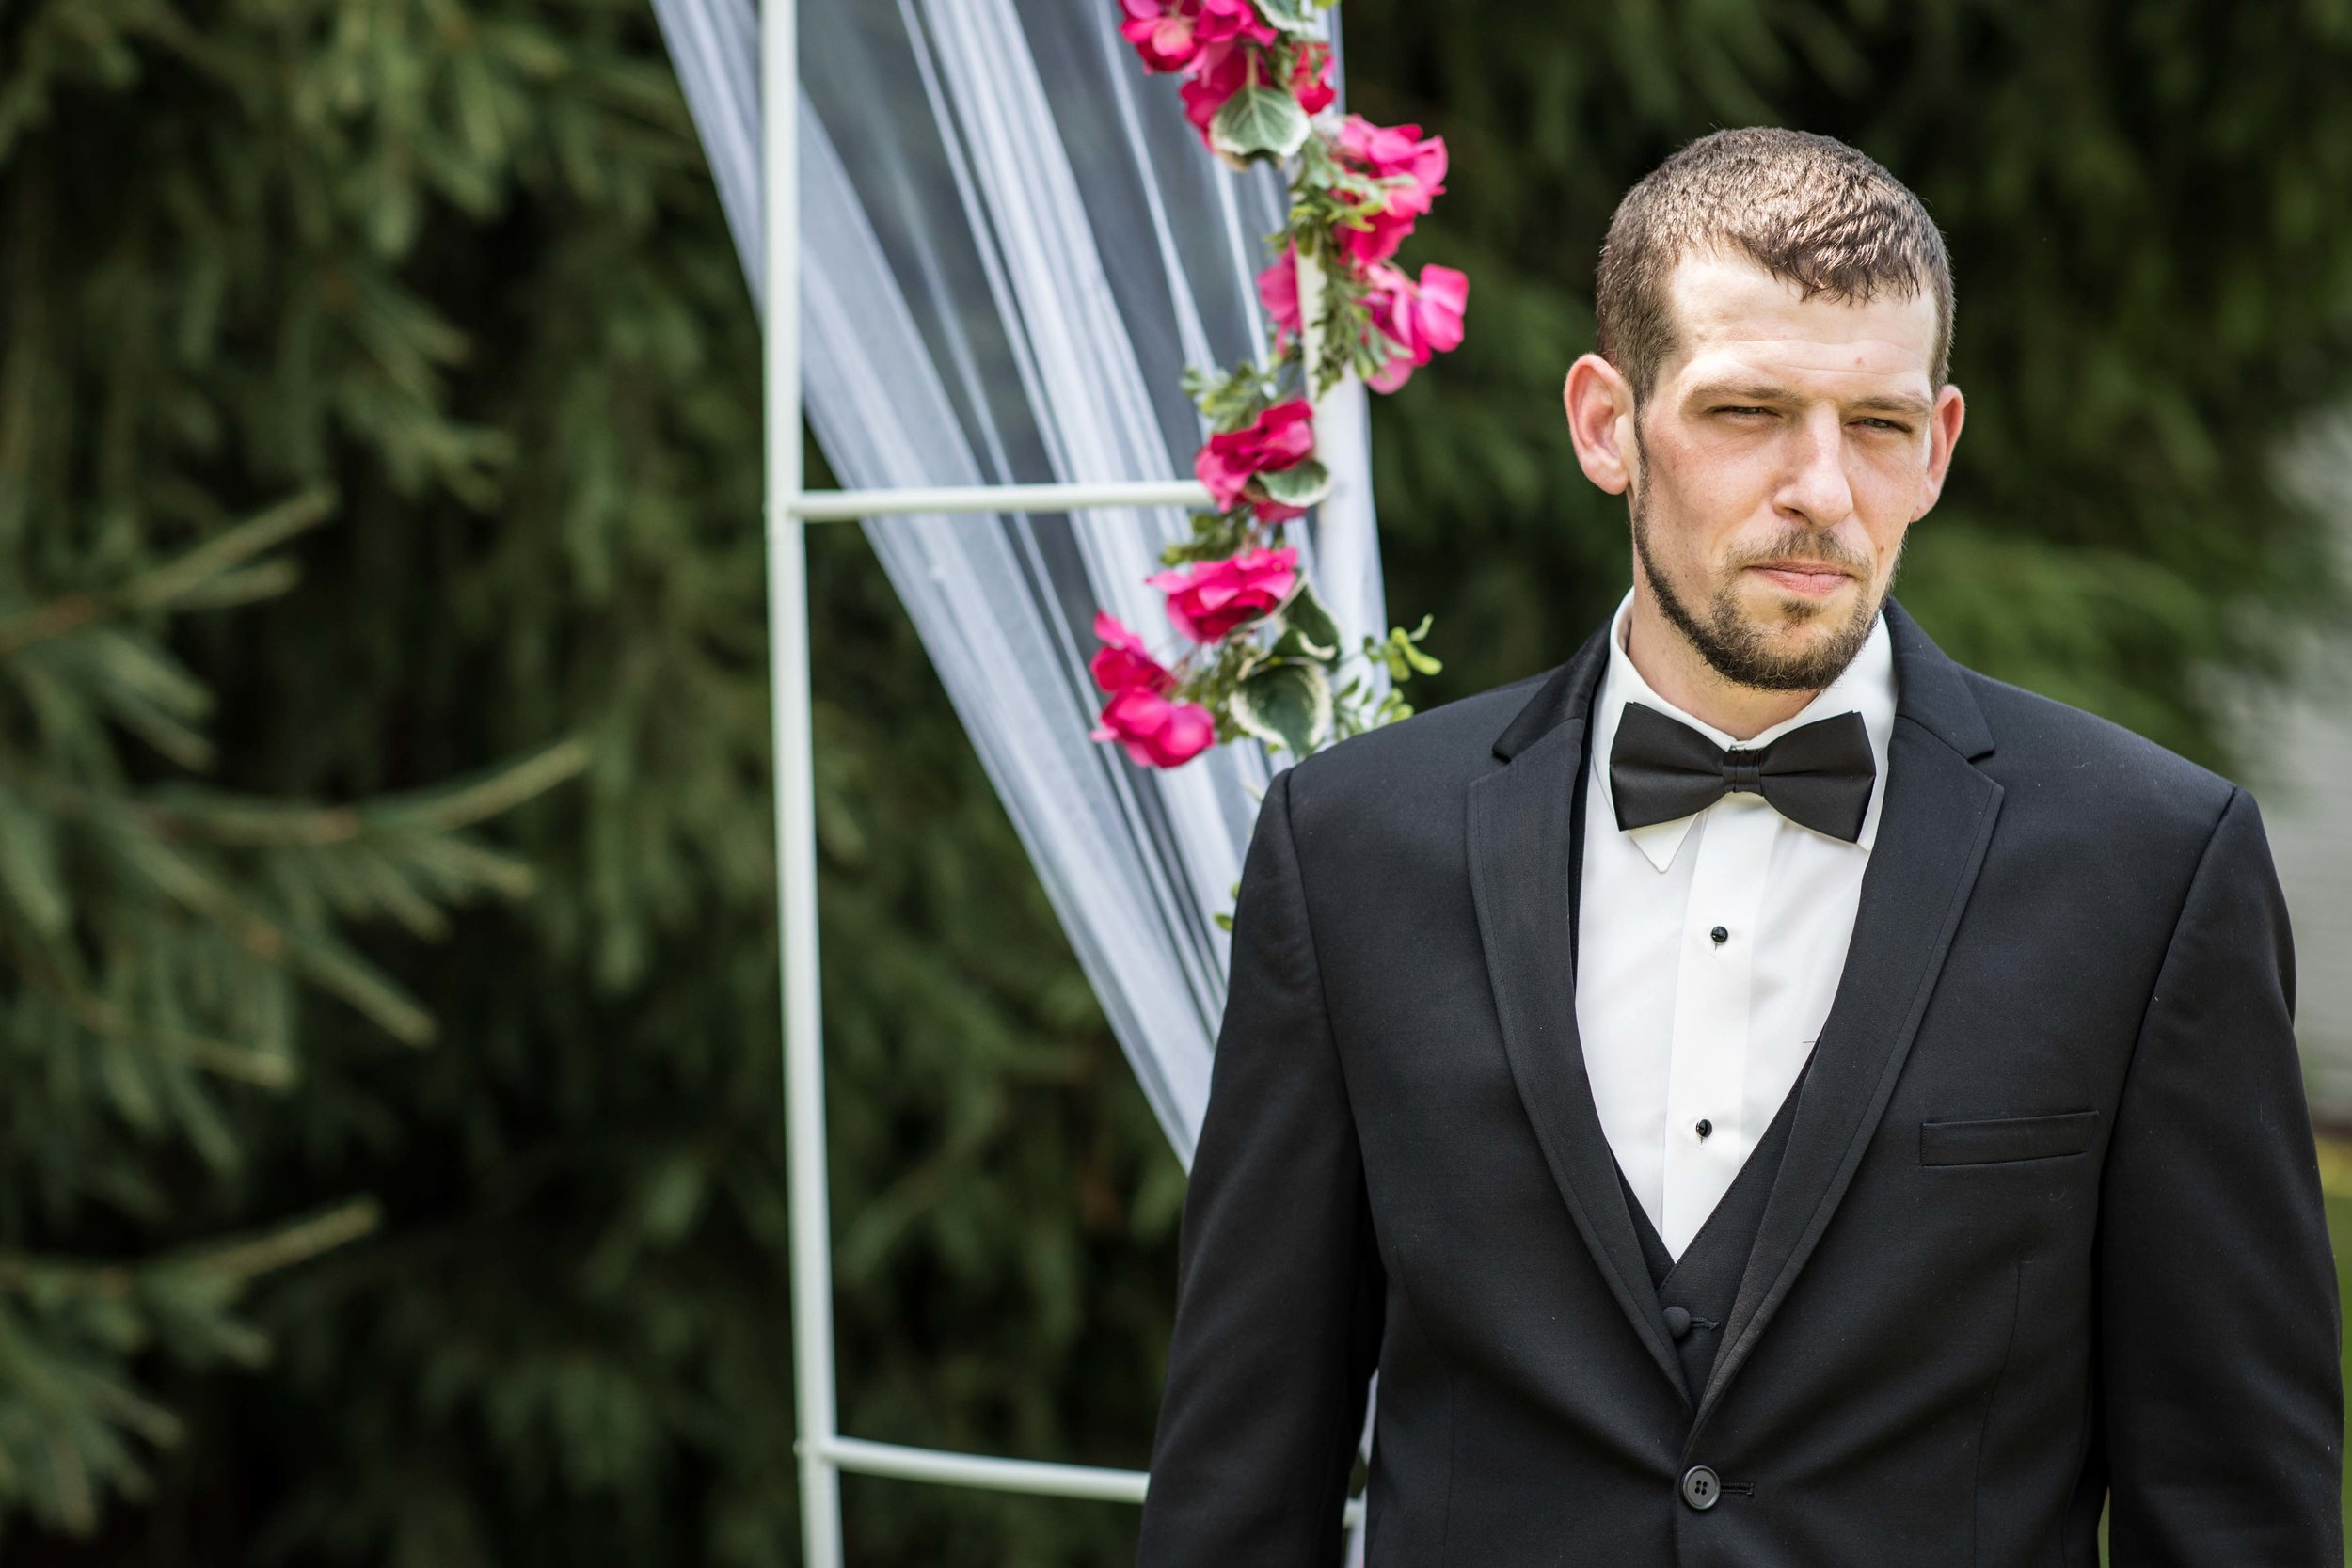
(1944, 424)
(1599, 404)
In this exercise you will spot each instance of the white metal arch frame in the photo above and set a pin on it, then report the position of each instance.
(824, 1453)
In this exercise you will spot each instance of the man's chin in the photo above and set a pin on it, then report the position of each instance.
(1789, 648)
(1784, 641)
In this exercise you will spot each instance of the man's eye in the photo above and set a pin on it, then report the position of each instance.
(1885, 424)
(1744, 410)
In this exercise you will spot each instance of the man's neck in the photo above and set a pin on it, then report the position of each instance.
(1680, 673)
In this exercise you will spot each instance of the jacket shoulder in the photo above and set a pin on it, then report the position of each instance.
(1415, 760)
(2119, 783)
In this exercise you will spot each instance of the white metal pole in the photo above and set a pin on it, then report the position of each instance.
(795, 788)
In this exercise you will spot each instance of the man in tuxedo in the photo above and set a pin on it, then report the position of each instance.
(1760, 1094)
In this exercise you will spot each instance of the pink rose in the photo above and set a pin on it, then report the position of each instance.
(1122, 661)
(1422, 319)
(1401, 153)
(1155, 731)
(1281, 436)
(1171, 35)
(1212, 597)
(1277, 291)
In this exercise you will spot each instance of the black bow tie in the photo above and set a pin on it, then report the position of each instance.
(1818, 775)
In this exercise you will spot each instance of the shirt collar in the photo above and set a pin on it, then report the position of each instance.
(1866, 686)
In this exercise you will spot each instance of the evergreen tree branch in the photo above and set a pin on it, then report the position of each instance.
(188, 814)
(180, 581)
(235, 1263)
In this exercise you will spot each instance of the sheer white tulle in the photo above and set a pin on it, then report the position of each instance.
(1013, 244)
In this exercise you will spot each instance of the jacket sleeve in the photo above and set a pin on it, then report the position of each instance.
(1280, 1289)
(2222, 1401)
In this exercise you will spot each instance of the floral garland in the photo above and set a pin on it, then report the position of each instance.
(1263, 655)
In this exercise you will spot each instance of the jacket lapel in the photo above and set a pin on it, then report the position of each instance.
(1520, 824)
(1933, 828)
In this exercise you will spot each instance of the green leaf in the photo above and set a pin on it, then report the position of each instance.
(1291, 16)
(1303, 483)
(1408, 649)
(1259, 120)
(1308, 629)
(1287, 705)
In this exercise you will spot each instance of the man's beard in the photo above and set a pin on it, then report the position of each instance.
(1733, 645)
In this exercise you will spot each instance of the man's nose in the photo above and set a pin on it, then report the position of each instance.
(1816, 486)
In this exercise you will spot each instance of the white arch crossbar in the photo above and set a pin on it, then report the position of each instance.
(841, 506)
(1036, 1478)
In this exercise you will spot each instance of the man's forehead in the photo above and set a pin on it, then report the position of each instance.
(1729, 311)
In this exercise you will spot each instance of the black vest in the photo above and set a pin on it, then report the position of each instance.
(1695, 1292)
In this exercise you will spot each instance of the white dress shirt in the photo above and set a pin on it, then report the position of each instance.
(1679, 1029)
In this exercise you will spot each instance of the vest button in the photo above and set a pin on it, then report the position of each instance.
(1677, 1321)
(1701, 1487)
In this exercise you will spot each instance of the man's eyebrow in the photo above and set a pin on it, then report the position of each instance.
(1917, 408)
(1742, 392)
(1765, 392)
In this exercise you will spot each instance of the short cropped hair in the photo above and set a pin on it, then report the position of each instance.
(1807, 209)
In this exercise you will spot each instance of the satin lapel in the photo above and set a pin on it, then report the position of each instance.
(1937, 818)
(1519, 823)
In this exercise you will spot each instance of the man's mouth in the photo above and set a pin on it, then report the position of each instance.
(1810, 580)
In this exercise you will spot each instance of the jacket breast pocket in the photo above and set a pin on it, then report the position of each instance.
(2002, 1139)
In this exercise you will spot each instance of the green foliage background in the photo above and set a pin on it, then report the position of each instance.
(362, 1201)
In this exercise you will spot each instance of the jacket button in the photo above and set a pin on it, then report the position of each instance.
(1677, 1321)
(1701, 1486)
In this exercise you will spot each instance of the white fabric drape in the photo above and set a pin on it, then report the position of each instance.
(1013, 244)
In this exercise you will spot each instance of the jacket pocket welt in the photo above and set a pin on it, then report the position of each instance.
(2006, 1138)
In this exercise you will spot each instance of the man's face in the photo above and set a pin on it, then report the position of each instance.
(1780, 456)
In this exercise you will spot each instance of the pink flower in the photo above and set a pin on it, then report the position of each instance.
(1277, 291)
(1377, 240)
(1422, 319)
(1155, 731)
(1166, 40)
(1171, 35)
(1122, 662)
(1385, 151)
(1212, 597)
(1400, 153)
(1281, 436)
(1219, 71)
(1211, 41)
(1311, 77)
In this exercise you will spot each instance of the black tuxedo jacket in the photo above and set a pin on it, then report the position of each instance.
(2047, 1232)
